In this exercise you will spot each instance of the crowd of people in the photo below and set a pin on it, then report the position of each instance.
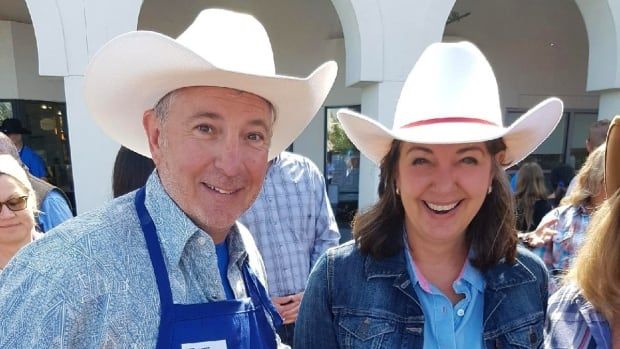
(219, 238)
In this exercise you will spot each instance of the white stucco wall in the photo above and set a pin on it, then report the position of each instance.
(31, 85)
(8, 83)
(537, 49)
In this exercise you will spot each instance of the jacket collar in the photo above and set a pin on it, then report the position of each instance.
(392, 266)
(504, 275)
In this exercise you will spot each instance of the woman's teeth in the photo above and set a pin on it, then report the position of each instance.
(441, 208)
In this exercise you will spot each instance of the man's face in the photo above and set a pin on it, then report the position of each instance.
(211, 152)
(16, 138)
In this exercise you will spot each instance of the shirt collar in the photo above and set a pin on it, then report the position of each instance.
(175, 228)
(469, 273)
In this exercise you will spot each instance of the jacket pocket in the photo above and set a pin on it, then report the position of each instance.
(528, 336)
(365, 332)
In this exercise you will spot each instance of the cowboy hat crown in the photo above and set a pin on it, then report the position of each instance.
(221, 48)
(451, 97)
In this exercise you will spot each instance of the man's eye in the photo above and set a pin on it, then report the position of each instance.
(255, 137)
(205, 128)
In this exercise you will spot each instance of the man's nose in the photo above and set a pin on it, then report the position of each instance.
(229, 158)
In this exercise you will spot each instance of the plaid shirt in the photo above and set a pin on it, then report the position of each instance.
(572, 322)
(292, 222)
(572, 224)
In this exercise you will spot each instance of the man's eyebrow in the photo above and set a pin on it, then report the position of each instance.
(209, 115)
(260, 122)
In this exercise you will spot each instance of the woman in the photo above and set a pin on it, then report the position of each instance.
(559, 243)
(435, 261)
(17, 208)
(531, 197)
(585, 312)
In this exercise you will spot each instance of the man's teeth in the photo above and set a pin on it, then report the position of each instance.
(221, 191)
(441, 208)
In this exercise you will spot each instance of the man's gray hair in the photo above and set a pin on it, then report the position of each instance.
(163, 105)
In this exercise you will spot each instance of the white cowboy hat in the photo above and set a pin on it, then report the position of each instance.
(451, 97)
(133, 71)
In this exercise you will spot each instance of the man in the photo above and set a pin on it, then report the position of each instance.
(293, 224)
(596, 136)
(168, 266)
(14, 129)
(53, 204)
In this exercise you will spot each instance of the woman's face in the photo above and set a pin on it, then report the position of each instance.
(442, 187)
(16, 227)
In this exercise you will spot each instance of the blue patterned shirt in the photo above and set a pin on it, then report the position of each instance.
(89, 282)
(572, 322)
(292, 222)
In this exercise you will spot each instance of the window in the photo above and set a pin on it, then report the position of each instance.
(342, 160)
(49, 138)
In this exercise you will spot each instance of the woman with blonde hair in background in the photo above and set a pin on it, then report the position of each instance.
(531, 196)
(563, 230)
(585, 312)
(17, 209)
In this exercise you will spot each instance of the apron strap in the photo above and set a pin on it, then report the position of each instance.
(259, 295)
(152, 244)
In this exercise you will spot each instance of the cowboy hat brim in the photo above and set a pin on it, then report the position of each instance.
(521, 138)
(132, 72)
(612, 154)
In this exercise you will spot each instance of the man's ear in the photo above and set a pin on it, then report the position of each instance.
(152, 126)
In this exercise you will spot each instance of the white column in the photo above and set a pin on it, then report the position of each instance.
(68, 33)
(383, 39)
(379, 102)
(609, 104)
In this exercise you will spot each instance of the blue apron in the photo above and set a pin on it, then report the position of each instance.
(239, 323)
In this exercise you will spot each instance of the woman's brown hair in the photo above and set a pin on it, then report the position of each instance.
(378, 230)
(530, 189)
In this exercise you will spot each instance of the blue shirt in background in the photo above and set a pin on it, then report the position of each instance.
(447, 326)
(35, 163)
(53, 211)
(221, 250)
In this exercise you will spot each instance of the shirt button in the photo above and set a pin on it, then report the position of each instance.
(202, 240)
(460, 312)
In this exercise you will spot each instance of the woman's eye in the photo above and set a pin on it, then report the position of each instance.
(470, 160)
(419, 161)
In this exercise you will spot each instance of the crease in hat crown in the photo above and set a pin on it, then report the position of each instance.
(221, 48)
(451, 96)
(246, 37)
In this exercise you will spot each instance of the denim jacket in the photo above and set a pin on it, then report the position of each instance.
(356, 301)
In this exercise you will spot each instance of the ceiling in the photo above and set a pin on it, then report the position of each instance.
(14, 10)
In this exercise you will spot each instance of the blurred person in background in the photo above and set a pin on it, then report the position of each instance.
(35, 164)
(531, 197)
(585, 312)
(17, 209)
(52, 203)
(596, 137)
(559, 242)
(131, 170)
